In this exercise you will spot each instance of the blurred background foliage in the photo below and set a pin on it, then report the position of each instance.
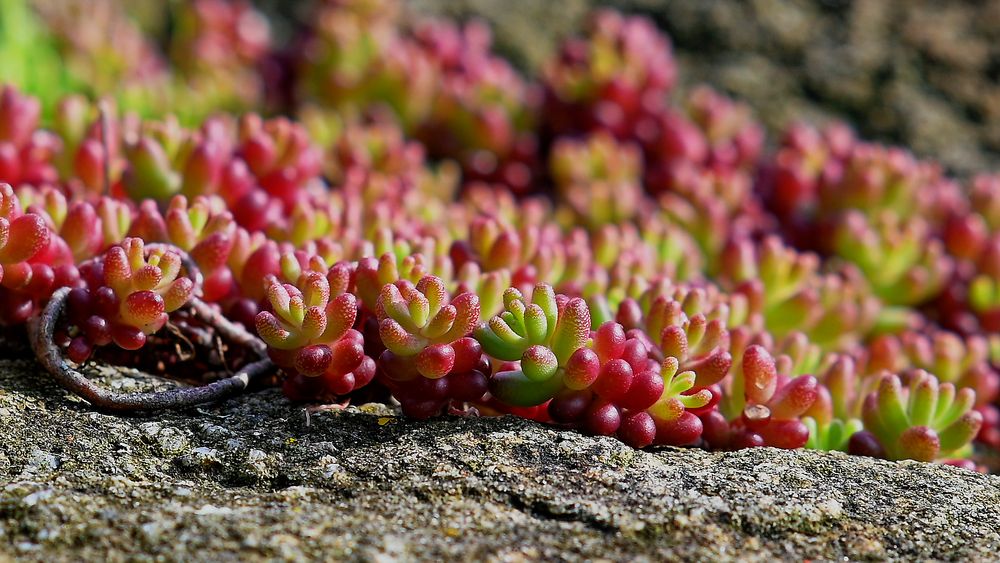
(922, 73)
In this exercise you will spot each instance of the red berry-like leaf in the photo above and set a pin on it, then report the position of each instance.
(602, 418)
(27, 235)
(144, 310)
(582, 369)
(609, 341)
(759, 374)
(794, 398)
(313, 360)
(348, 354)
(645, 390)
(682, 431)
(614, 380)
(436, 361)
(637, 430)
(920, 443)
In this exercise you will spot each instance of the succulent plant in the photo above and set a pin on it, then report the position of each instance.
(787, 289)
(542, 336)
(667, 279)
(606, 79)
(422, 321)
(903, 262)
(599, 180)
(310, 334)
(26, 153)
(924, 420)
(129, 295)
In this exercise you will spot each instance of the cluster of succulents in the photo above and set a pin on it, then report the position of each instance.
(446, 235)
(212, 55)
(438, 80)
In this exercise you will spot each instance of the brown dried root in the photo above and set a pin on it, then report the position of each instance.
(41, 331)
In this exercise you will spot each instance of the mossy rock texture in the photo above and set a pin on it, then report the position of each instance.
(259, 478)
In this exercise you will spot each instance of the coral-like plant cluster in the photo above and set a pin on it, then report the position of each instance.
(441, 232)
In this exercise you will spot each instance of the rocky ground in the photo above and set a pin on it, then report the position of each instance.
(259, 478)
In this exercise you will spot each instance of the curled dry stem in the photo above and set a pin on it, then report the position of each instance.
(230, 331)
(210, 314)
(42, 330)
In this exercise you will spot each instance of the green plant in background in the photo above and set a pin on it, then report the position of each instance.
(29, 57)
(205, 61)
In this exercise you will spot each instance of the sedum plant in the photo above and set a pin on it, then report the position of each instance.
(450, 237)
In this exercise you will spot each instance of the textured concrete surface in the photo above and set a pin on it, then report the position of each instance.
(259, 478)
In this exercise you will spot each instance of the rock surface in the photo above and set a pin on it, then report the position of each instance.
(259, 478)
